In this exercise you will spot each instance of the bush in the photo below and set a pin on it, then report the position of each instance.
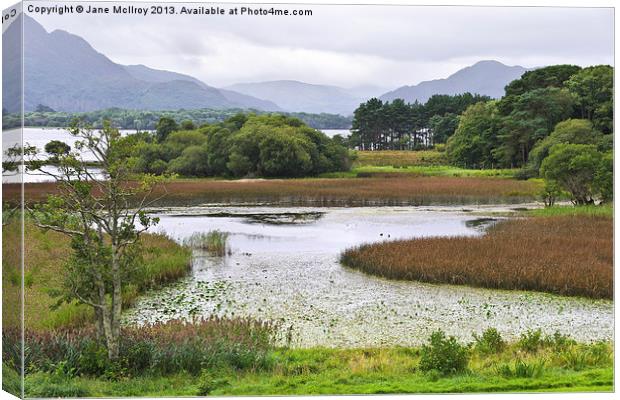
(443, 354)
(531, 341)
(490, 342)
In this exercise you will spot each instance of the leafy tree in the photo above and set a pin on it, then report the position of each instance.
(593, 90)
(576, 131)
(165, 127)
(56, 148)
(104, 219)
(193, 161)
(476, 137)
(604, 177)
(533, 117)
(573, 167)
(187, 125)
(443, 126)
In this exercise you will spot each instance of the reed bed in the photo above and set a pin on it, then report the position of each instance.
(405, 189)
(564, 255)
(215, 242)
(158, 349)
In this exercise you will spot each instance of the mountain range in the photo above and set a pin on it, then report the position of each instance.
(64, 72)
(484, 77)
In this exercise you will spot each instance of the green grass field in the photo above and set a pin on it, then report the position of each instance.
(362, 371)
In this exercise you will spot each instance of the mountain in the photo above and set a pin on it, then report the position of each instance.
(64, 72)
(300, 96)
(484, 77)
(161, 76)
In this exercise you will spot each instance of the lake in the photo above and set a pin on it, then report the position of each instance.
(283, 266)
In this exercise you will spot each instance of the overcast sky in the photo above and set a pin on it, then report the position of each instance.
(347, 45)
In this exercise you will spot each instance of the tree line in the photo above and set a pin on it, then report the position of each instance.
(397, 125)
(148, 120)
(245, 145)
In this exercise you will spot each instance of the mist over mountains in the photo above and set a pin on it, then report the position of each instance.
(484, 77)
(64, 72)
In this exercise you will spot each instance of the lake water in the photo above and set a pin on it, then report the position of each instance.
(283, 266)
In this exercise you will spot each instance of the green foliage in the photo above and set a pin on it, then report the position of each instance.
(575, 168)
(522, 369)
(475, 140)
(215, 242)
(489, 342)
(58, 383)
(592, 88)
(11, 380)
(148, 120)
(208, 382)
(445, 355)
(400, 126)
(245, 146)
(531, 340)
(575, 131)
(57, 148)
(165, 126)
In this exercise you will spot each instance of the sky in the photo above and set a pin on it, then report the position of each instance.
(347, 46)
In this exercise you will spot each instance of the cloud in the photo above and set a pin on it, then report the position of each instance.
(348, 45)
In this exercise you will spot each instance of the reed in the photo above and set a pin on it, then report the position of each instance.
(405, 189)
(215, 242)
(566, 255)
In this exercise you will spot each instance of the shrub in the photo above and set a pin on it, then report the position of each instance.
(444, 354)
(531, 341)
(490, 342)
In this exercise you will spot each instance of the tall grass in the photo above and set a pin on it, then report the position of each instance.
(409, 189)
(160, 349)
(400, 158)
(566, 255)
(163, 261)
(215, 242)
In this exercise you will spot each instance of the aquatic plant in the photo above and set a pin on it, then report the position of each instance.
(567, 255)
(215, 242)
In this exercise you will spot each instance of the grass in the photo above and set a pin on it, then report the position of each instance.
(561, 254)
(402, 189)
(215, 242)
(605, 210)
(46, 253)
(400, 158)
(374, 171)
(372, 371)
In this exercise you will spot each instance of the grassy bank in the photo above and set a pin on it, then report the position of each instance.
(47, 252)
(567, 253)
(535, 363)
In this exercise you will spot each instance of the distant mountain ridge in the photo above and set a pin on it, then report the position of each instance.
(300, 96)
(484, 77)
(64, 72)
